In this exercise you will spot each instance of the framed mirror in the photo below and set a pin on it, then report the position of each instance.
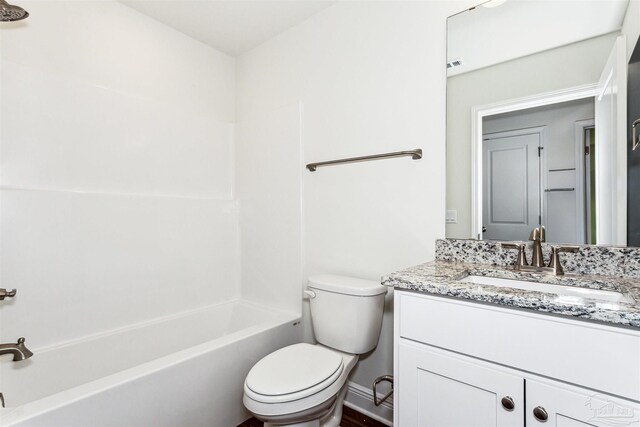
(537, 125)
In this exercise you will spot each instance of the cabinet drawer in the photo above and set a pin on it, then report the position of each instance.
(597, 356)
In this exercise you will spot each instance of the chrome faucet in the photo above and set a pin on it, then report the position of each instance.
(19, 350)
(537, 237)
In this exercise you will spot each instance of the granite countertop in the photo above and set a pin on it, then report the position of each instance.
(443, 278)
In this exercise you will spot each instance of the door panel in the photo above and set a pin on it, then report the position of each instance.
(569, 406)
(511, 185)
(562, 421)
(440, 398)
(442, 390)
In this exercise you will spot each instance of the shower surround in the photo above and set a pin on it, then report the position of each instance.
(133, 219)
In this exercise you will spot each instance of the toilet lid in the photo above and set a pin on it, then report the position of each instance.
(292, 370)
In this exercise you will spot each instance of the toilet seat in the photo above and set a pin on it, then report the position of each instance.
(293, 373)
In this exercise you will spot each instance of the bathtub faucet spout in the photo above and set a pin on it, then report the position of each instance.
(19, 350)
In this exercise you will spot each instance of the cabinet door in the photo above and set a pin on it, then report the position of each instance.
(552, 404)
(441, 389)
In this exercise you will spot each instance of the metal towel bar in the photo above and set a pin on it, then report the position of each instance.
(415, 155)
(551, 190)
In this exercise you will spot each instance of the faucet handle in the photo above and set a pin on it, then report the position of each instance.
(568, 248)
(522, 256)
(7, 294)
(512, 245)
(554, 260)
(543, 234)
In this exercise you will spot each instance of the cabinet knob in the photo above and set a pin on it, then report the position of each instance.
(508, 403)
(540, 413)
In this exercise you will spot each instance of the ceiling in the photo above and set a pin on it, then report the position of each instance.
(487, 36)
(231, 26)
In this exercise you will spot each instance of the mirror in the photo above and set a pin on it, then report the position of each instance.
(537, 125)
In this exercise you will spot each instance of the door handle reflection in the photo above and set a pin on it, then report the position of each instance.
(634, 137)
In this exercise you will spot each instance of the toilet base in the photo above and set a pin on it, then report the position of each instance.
(314, 423)
(331, 419)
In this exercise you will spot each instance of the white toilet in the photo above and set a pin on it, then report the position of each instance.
(304, 385)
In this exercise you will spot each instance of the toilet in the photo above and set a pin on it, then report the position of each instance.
(304, 385)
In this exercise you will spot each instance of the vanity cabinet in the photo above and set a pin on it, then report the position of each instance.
(465, 364)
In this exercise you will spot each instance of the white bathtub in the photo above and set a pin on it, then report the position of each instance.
(183, 371)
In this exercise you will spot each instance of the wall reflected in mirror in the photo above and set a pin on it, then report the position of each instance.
(537, 130)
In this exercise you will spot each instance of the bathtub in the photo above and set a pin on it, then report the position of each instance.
(186, 370)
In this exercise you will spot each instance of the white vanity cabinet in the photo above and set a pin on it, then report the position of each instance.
(466, 364)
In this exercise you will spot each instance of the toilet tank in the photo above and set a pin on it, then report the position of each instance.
(346, 312)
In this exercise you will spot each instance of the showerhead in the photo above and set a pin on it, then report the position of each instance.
(9, 12)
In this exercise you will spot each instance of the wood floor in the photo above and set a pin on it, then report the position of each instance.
(350, 418)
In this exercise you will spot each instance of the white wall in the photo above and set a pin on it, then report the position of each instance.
(371, 79)
(269, 190)
(531, 75)
(116, 172)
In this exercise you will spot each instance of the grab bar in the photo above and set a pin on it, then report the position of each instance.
(415, 155)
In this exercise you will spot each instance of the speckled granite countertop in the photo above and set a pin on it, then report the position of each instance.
(443, 278)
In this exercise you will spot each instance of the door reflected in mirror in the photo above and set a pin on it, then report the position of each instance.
(526, 178)
(537, 130)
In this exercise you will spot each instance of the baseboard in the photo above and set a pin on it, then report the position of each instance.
(361, 399)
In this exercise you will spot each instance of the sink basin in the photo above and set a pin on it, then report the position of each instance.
(568, 294)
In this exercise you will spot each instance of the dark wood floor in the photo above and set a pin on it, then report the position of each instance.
(350, 418)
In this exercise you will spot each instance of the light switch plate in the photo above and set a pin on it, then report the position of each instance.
(451, 217)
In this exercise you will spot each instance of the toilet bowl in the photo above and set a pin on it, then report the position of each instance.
(297, 384)
(304, 384)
